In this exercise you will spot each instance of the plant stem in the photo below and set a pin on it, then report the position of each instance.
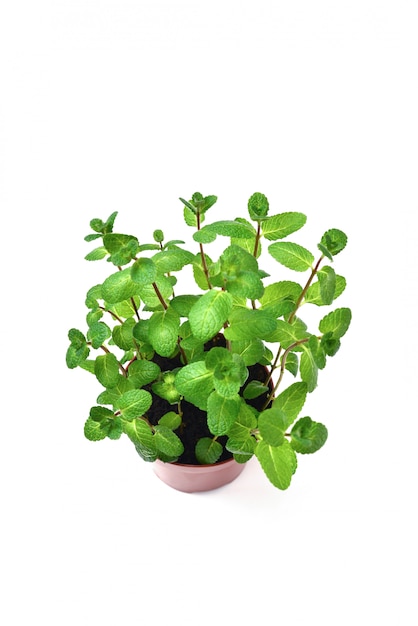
(202, 255)
(160, 298)
(135, 307)
(304, 290)
(257, 239)
(122, 369)
(116, 317)
(282, 368)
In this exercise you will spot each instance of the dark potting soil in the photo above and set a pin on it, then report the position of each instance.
(194, 425)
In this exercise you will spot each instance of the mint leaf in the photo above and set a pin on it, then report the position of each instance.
(227, 228)
(119, 286)
(134, 403)
(143, 372)
(92, 431)
(280, 298)
(209, 314)
(167, 442)
(258, 206)
(195, 382)
(308, 368)
(333, 241)
(172, 260)
(122, 248)
(272, 425)
(96, 254)
(308, 436)
(292, 255)
(254, 389)
(208, 451)
(98, 333)
(291, 401)
(327, 284)
(336, 322)
(171, 420)
(313, 295)
(250, 350)
(222, 412)
(106, 369)
(141, 435)
(279, 463)
(163, 331)
(144, 271)
(282, 225)
(248, 324)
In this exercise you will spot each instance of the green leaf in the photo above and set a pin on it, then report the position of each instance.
(210, 313)
(222, 412)
(334, 241)
(76, 355)
(144, 271)
(250, 350)
(245, 285)
(119, 286)
(96, 254)
(254, 389)
(242, 449)
(336, 322)
(327, 283)
(195, 382)
(183, 304)
(329, 344)
(317, 351)
(308, 368)
(280, 298)
(291, 401)
(249, 324)
(92, 431)
(163, 331)
(313, 294)
(282, 225)
(141, 435)
(143, 372)
(272, 425)
(167, 442)
(122, 248)
(292, 255)
(111, 396)
(258, 206)
(149, 297)
(170, 420)
(98, 333)
(122, 334)
(106, 369)
(227, 228)
(165, 388)
(100, 413)
(292, 363)
(279, 463)
(134, 403)
(287, 334)
(208, 451)
(308, 436)
(172, 260)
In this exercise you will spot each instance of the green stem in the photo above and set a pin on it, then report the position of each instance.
(282, 368)
(202, 255)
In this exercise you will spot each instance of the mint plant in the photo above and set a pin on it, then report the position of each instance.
(223, 372)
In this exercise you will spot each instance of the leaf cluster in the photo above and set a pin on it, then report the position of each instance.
(136, 321)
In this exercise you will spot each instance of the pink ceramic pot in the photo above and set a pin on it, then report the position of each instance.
(191, 478)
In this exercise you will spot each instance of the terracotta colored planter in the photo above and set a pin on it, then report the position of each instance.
(191, 478)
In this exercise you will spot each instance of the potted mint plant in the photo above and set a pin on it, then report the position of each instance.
(201, 382)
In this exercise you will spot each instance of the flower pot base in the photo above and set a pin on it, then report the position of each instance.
(193, 478)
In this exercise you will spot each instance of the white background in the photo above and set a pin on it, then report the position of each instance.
(127, 105)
